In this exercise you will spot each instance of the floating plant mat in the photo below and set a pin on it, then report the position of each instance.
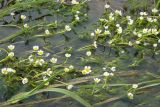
(51, 50)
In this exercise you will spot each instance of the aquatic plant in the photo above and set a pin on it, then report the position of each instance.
(91, 73)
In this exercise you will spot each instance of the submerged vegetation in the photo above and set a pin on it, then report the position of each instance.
(116, 58)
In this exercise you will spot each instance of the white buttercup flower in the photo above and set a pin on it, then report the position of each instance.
(113, 69)
(154, 10)
(88, 53)
(130, 43)
(48, 72)
(111, 74)
(106, 74)
(4, 71)
(47, 32)
(12, 14)
(11, 54)
(138, 42)
(24, 80)
(26, 25)
(97, 80)
(11, 47)
(53, 60)
(67, 28)
(119, 30)
(74, 2)
(67, 55)
(35, 48)
(130, 22)
(40, 52)
(69, 87)
(130, 95)
(66, 69)
(98, 31)
(86, 70)
(141, 17)
(135, 86)
(92, 34)
(119, 12)
(23, 17)
(107, 6)
(155, 45)
(71, 67)
(139, 35)
(95, 44)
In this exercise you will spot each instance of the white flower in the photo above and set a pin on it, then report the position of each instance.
(12, 14)
(143, 14)
(11, 54)
(141, 17)
(130, 22)
(111, 74)
(138, 42)
(119, 30)
(88, 53)
(107, 6)
(135, 86)
(118, 12)
(139, 35)
(145, 30)
(69, 87)
(23, 17)
(154, 10)
(48, 72)
(105, 27)
(117, 25)
(106, 74)
(145, 44)
(113, 69)
(40, 52)
(74, 2)
(53, 60)
(4, 71)
(107, 32)
(39, 62)
(11, 47)
(67, 55)
(47, 32)
(86, 70)
(97, 80)
(71, 67)
(130, 95)
(128, 17)
(92, 34)
(77, 17)
(67, 28)
(130, 43)
(95, 44)
(104, 68)
(77, 12)
(24, 80)
(25, 26)
(149, 19)
(158, 40)
(154, 20)
(66, 69)
(98, 31)
(111, 18)
(155, 45)
(35, 48)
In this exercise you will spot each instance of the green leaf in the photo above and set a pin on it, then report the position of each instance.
(25, 95)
